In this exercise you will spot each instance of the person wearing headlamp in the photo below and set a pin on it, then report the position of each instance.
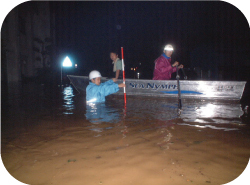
(163, 67)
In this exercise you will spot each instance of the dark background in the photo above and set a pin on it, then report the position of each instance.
(211, 35)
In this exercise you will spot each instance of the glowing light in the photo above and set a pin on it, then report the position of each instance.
(68, 100)
(138, 75)
(67, 62)
(92, 100)
(207, 111)
(204, 86)
(169, 47)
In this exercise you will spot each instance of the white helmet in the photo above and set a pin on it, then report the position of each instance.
(168, 47)
(94, 74)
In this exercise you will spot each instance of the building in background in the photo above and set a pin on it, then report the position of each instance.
(27, 42)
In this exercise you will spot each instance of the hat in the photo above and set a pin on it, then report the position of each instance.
(169, 47)
(94, 74)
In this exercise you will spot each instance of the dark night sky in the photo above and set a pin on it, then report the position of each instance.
(204, 34)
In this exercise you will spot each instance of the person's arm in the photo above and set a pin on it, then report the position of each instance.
(121, 85)
(174, 69)
(180, 66)
(118, 68)
(117, 74)
(108, 88)
(162, 67)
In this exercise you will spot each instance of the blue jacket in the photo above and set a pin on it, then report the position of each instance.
(97, 93)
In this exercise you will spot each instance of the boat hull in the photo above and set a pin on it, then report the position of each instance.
(229, 90)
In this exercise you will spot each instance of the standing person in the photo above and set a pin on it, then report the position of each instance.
(163, 68)
(96, 91)
(117, 68)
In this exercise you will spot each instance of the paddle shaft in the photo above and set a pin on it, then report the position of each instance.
(179, 89)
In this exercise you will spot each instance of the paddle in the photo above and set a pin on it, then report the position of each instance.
(179, 89)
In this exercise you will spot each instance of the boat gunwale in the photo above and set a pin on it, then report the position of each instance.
(130, 79)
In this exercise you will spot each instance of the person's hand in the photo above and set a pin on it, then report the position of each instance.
(114, 79)
(175, 64)
(121, 85)
(180, 66)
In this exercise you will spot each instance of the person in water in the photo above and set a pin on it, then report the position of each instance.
(163, 68)
(96, 91)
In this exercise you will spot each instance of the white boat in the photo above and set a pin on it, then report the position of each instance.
(227, 90)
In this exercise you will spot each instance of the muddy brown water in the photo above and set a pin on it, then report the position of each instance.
(50, 136)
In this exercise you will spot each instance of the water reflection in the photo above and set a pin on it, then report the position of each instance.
(194, 110)
(209, 126)
(147, 113)
(68, 100)
(166, 136)
(212, 115)
(142, 113)
(98, 113)
(198, 113)
(141, 110)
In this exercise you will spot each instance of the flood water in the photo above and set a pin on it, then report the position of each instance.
(50, 136)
